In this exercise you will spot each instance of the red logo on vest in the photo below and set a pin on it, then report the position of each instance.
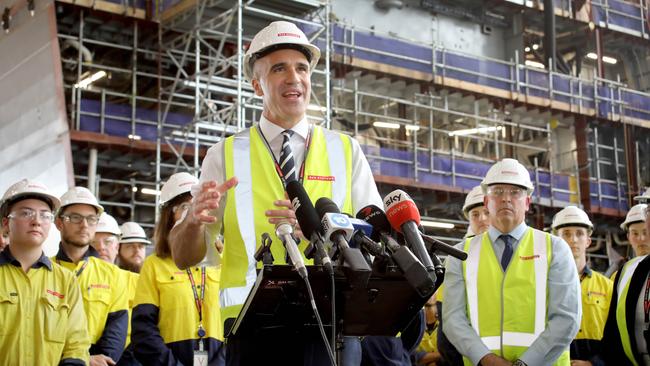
(54, 293)
(325, 178)
(528, 257)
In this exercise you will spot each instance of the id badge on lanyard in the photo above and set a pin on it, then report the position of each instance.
(200, 355)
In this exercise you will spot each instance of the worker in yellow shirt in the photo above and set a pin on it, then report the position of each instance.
(42, 320)
(130, 257)
(573, 225)
(176, 318)
(101, 283)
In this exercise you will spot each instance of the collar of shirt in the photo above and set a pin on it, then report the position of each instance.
(586, 272)
(271, 131)
(517, 233)
(62, 256)
(7, 258)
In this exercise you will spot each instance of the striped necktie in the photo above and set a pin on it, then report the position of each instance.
(287, 164)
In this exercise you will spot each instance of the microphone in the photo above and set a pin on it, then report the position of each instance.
(414, 272)
(376, 217)
(338, 229)
(435, 244)
(309, 224)
(284, 231)
(404, 217)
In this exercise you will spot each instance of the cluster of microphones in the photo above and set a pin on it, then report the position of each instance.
(357, 245)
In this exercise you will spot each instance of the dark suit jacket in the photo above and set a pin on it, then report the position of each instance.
(613, 348)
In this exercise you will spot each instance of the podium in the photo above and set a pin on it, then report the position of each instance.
(277, 324)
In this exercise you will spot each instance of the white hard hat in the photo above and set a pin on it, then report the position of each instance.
(473, 199)
(107, 224)
(645, 197)
(28, 188)
(571, 216)
(508, 171)
(80, 196)
(133, 233)
(176, 185)
(636, 214)
(278, 35)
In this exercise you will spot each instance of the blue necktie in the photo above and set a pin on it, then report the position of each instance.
(507, 250)
(286, 158)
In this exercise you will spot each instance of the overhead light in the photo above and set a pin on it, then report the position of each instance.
(535, 46)
(536, 64)
(458, 120)
(471, 131)
(610, 60)
(150, 191)
(134, 189)
(437, 224)
(592, 56)
(135, 137)
(390, 125)
(85, 83)
(412, 127)
(527, 49)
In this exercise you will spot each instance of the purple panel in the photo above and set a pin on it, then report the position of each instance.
(138, 3)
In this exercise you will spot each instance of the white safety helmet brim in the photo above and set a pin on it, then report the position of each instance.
(636, 214)
(473, 199)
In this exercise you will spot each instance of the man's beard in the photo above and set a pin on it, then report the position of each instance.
(75, 243)
(129, 266)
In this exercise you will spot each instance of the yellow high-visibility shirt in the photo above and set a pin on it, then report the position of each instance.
(105, 302)
(131, 280)
(42, 320)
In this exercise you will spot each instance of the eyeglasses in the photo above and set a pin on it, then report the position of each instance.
(512, 192)
(29, 215)
(182, 207)
(92, 220)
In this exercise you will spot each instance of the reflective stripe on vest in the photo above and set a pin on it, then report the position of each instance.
(539, 253)
(327, 174)
(621, 317)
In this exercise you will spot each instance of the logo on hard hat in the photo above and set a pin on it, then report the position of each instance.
(508, 172)
(287, 34)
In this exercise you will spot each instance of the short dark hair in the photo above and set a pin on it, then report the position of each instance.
(282, 46)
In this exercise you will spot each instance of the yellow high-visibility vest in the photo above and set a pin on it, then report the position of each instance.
(508, 310)
(328, 173)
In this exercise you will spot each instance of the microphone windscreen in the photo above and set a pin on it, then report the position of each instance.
(325, 205)
(305, 212)
(376, 217)
(401, 212)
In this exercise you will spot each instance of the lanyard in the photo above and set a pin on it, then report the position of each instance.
(198, 301)
(278, 170)
(80, 271)
(646, 301)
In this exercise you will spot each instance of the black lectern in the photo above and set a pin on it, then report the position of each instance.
(277, 324)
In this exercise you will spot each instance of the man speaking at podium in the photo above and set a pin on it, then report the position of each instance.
(243, 178)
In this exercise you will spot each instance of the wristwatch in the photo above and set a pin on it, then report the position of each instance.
(519, 362)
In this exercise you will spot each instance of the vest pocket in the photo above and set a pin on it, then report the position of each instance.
(9, 313)
(55, 319)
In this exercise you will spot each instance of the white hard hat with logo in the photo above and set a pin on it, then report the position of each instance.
(176, 185)
(636, 214)
(80, 196)
(571, 216)
(508, 171)
(275, 36)
(645, 197)
(27, 188)
(107, 224)
(133, 233)
(473, 199)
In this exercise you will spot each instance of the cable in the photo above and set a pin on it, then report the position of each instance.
(320, 322)
(333, 340)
